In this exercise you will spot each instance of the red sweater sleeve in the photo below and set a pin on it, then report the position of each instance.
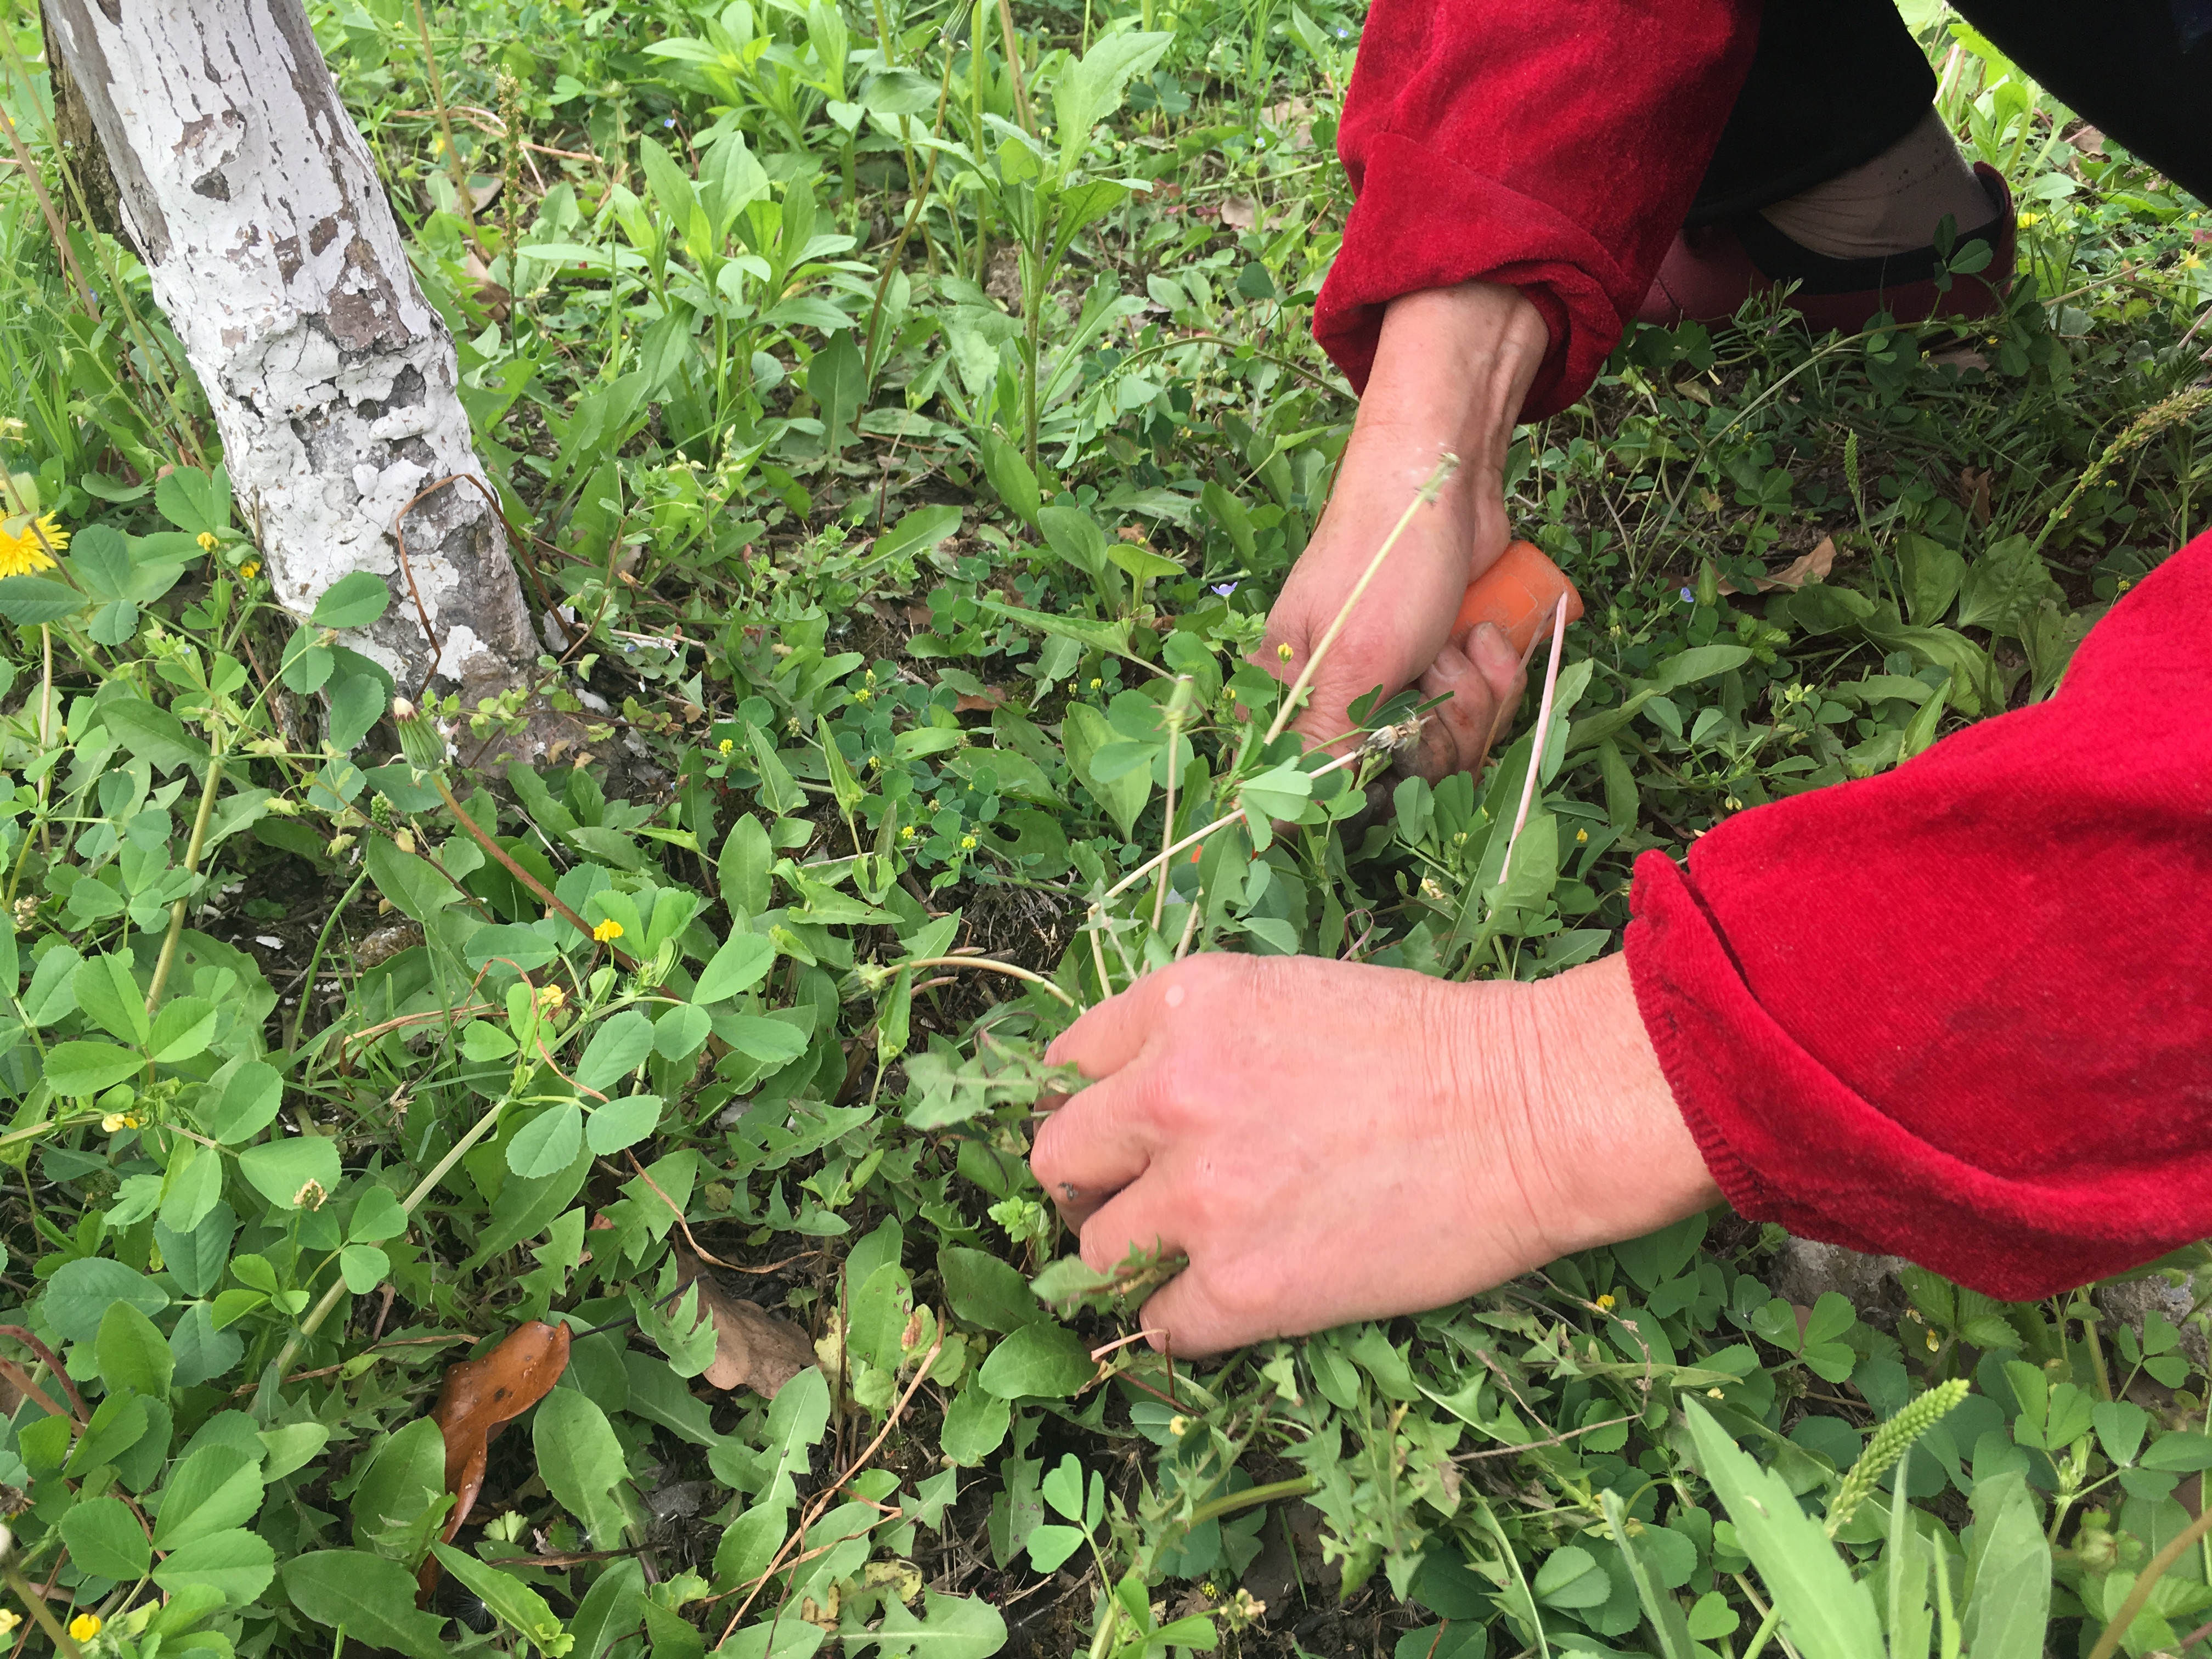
(1555, 148)
(1963, 1012)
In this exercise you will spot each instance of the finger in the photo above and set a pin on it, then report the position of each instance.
(1132, 1220)
(1483, 680)
(1186, 1320)
(1090, 1149)
(1110, 1035)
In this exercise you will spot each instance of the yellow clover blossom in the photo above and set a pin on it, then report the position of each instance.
(116, 1122)
(85, 1626)
(249, 570)
(1606, 1302)
(27, 546)
(725, 746)
(551, 998)
(206, 539)
(9, 1620)
(609, 929)
(967, 843)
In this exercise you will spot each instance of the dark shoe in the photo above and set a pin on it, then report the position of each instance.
(1712, 271)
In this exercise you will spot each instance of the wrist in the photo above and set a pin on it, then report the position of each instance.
(1610, 1154)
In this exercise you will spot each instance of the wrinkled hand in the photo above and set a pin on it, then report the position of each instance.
(1450, 374)
(1328, 1141)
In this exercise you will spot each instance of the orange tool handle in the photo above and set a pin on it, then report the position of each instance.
(1518, 593)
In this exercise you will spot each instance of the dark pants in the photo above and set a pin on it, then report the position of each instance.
(1835, 82)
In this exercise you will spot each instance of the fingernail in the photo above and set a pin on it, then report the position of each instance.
(1493, 652)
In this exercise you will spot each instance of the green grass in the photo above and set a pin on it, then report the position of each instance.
(881, 574)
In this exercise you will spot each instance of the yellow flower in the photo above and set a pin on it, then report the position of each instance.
(1582, 837)
(967, 843)
(2029, 220)
(609, 929)
(249, 570)
(27, 546)
(1606, 1301)
(1282, 651)
(551, 998)
(206, 539)
(725, 746)
(116, 1122)
(905, 832)
(1933, 1343)
(9, 1620)
(85, 1626)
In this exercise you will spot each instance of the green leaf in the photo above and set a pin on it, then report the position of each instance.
(1664, 1612)
(289, 1171)
(238, 1564)
(1011, 477)
(372, 1598)
(976, 1425)
(1037, 1362)
(581, 1463)
(217, 1487)
(79, 1069)
(133, 1354)
(80, 1293)
(1085, 731)
(548, 1144)
(621, 1123)
(1092, 89)
(1824, 1610)
(357, 702)
(247, 1094)
(2008, 1613)
(364, 1268)
(183, 1029)
(28, 600)
(950, 1627)
(417, 891)
(401, 1501)
(105, 1540)
(772, 1041)
(619, 1048)
(838, 382)
(739, 965)
(153, 735)
(918, 532)
(988, 1292)
(108, 991)
(352, 601)
(515, 1602)
(197, 501)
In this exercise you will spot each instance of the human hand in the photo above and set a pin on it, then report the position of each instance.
(1450, 374)
(1327, 1141)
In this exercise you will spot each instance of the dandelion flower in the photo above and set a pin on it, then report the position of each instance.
(27, 546)
(85, 1626)
(607, 930)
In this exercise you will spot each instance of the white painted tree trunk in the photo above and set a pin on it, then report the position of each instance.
(257, 208)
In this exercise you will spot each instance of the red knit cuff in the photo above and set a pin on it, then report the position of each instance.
(1422, 221)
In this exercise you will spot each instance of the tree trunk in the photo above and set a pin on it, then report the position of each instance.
(256, 209)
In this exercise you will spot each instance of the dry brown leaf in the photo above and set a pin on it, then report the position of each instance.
(1240, 212)
(753, 1349)
(969, 702)
(481, 1396)
(1974, 492)
(1813, 566)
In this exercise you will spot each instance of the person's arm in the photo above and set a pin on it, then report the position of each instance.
(1520, 171)
(1962, 1012)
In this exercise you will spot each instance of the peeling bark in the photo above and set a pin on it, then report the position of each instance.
(255, 204)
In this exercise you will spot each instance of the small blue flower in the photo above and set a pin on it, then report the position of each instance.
(1224, 589)
(1688, 597)
(668, 121)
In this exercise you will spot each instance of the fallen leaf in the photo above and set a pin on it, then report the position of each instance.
(481, 1396)
(2087, 139)
(968, 703)
(1961, 358)
(1813, 566)
(753, 1349)
(1240, 212)
(1974, 492)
